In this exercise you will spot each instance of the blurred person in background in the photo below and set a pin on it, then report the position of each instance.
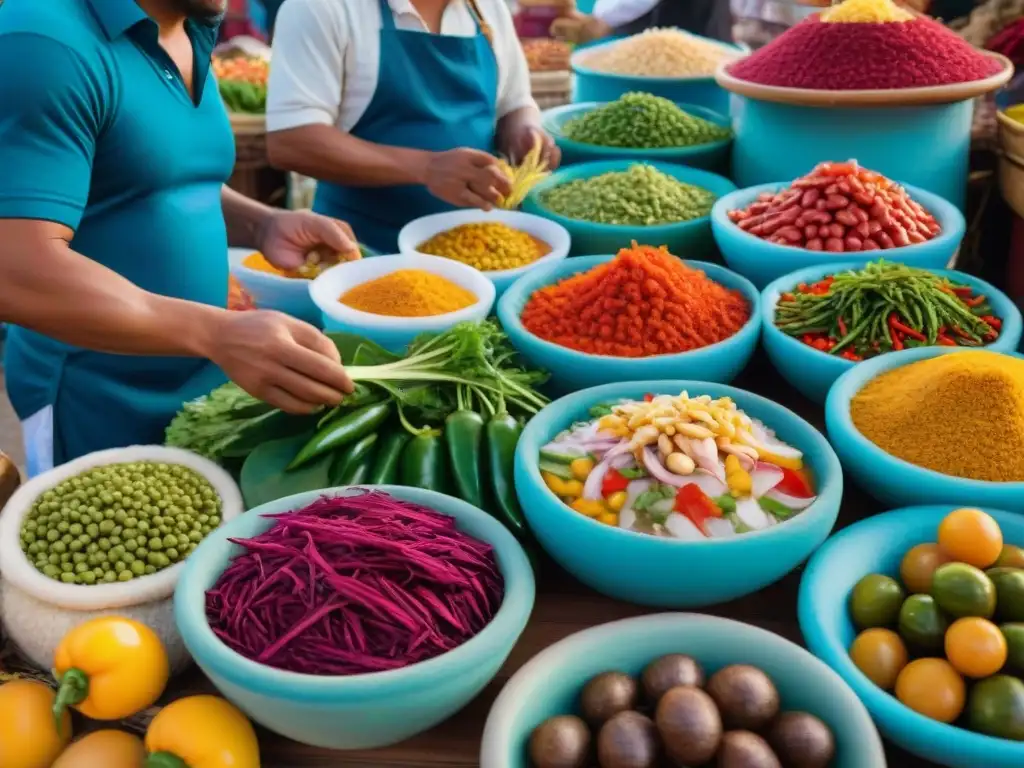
(396, 106)
(708, 18)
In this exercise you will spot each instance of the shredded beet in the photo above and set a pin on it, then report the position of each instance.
(867, 56)
(355, 584)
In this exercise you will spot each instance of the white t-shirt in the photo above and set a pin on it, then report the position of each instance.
(326, 55)
(618, 13)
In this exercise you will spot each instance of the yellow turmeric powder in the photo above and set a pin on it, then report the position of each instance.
(409, 293)
(316, 262)
(961, 414)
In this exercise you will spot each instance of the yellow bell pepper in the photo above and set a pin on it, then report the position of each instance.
(29, 737)
(201, 732)
(104, 749)
(110, 668)
(736, 477)
(780, 461)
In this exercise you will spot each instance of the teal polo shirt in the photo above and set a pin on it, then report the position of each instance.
(99, 133)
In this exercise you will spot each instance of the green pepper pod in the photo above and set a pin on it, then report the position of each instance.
(343, 431)
(352, 465)
(463, 435)
(424, 463)
(385, 466)
(502, 436)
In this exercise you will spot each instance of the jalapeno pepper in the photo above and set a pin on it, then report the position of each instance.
(424, 463)
(343, 431)
(502, 436)
(352, 465)
(389, 454)
(463, 435)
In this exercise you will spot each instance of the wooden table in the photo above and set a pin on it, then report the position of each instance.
(565, 606)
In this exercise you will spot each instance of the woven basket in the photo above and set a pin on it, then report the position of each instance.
(551, 89)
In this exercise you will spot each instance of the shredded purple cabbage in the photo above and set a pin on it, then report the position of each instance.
(355, 584)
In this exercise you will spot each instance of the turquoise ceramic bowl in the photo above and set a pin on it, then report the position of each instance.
(686, 238)
(669, 573)
(812, 373)
(762, 262)
(550, 683)
(877, 545)
(893, 481)
(361, 711)
(571, 370)
(592, 85)
(713, 156)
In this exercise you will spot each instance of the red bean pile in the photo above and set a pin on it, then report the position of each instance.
(839, 208)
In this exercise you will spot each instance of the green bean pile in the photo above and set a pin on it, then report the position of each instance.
(643, 121)
(885, 307)
(118, 522)
(640, 196)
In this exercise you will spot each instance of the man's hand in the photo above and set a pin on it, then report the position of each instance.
(280, 360)
(288, 237)
(466, 178)
(519, 137)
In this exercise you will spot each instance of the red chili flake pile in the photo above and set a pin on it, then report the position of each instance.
(866, 56)
(839, 207)
(642, 303)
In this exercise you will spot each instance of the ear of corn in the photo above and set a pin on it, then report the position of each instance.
(523, 177)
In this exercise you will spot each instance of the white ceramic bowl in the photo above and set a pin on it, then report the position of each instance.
(418, 231)
(395, 333)
(283, 294)
(38, 611)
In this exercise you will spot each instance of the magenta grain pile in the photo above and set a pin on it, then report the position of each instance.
(355, 584)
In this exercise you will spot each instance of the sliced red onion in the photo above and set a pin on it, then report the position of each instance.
(658, 471)
(705, 453)
(764, 477)
(681, 527)
(592, 486)
(621, 460)
(791, 502)
(749, 512)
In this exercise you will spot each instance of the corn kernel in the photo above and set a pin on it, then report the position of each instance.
(589, 507)
(580, 468)
(553, 482)
(608, 518)
(616, 501)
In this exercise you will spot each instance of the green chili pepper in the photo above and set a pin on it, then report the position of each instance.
(424, 463)
(343, 431)
(385, 466)
(463, 434)
(352, 464)
(502, 436)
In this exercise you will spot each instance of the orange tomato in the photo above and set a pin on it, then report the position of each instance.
(971, 536)
(975, 647)
(918, 566)
(932, 688)
(881, 655)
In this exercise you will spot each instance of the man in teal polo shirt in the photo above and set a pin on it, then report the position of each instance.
(114, 227)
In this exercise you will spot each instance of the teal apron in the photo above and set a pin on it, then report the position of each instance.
(153, 216)
(435, 93)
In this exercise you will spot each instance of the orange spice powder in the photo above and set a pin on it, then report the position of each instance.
(642, 303)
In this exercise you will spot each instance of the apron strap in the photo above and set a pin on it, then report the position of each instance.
(485, 28)
(387, 18)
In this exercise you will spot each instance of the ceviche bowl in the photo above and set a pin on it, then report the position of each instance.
(572, 370)
(684, 569)
(762, 262)
(691, 237)
(359, 711)
(877, 545)
(418, 231)
(889, 479)
(550, 683)
(813, 372)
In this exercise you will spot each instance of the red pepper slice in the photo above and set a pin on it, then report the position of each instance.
(613, 482)
(648, 397)
(906, 329)
(795, 483)
(697, 506)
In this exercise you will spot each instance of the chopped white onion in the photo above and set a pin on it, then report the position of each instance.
(627, 518)
(719, 528)
(681, 527)
(764, 478)
(791, 502)
(707, 482)
(751, 515)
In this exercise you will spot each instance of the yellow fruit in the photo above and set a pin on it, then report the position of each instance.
(933, 688)
(28, 732)
(975, 647)
(881, 655)
(104, 749)
(971, 536)
(918, 566)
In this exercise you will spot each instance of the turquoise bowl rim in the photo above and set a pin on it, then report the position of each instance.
(550, 421)
(840, 427)
(221, 661)
(895, 718)
(498, 741)
(533, 281)
(580, 69)
(950, 219)
(712, 182)
(1004, 308)
(670, 154)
